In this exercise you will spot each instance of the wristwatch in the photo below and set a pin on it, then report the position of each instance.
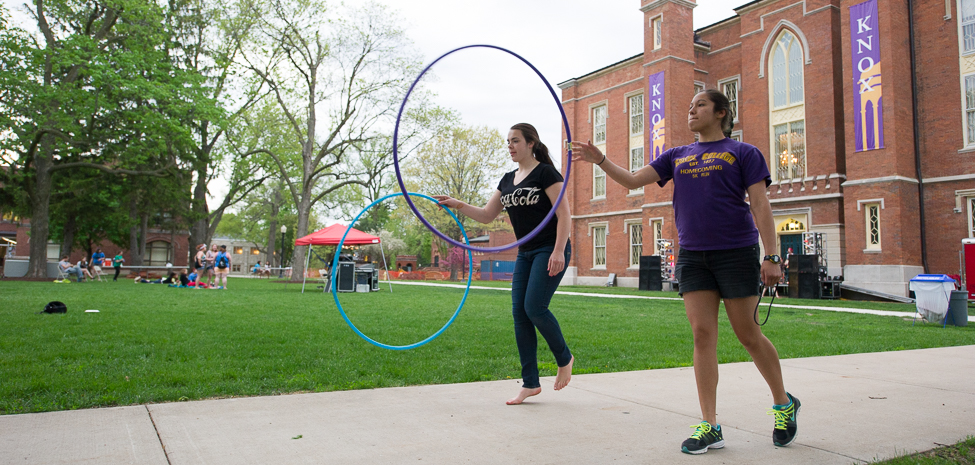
(773, 258)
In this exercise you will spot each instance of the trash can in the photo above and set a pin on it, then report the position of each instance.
(958, 308)
(932, 293)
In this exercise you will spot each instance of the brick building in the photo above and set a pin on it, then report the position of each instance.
(801, 74)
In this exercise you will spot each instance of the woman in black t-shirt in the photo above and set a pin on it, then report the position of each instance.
(528, 194)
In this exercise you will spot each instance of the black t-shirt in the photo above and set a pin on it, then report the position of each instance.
(527, 204)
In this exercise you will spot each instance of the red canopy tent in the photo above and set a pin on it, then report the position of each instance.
(332, 235)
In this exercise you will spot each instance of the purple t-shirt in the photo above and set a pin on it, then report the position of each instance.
(710, 180)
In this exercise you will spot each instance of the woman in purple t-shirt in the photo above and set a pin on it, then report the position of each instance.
(719, 252)
(527, 194)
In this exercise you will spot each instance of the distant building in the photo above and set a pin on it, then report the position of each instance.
(243, 254)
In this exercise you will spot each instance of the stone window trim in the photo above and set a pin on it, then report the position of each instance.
(860, 203)
(594, 105)
(961, 194)
(634, 168)
(774, 36)
(962, 22)
(596, 176)
(627, 229)
(736, 79)
(600, 127)
(653, 232)
(971, 216)
(626, 110)
(871, 224)
(790, 88)
(604, 227)
(656, 30)
(968, 111)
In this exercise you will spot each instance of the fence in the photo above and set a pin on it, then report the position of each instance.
(496, 270)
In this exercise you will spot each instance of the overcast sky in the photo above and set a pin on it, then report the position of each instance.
(562, 38)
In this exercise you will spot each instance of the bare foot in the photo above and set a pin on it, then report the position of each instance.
(523, 394)
(564, 375)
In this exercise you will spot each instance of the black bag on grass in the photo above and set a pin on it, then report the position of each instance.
(55, 307)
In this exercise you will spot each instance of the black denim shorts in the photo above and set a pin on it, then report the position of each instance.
(734, 273)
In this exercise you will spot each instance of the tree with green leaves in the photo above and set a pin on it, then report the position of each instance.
(94, 88)
(464, 163)
(337, 73)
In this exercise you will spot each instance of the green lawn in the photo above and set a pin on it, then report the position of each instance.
(962, 453)
(151, 343)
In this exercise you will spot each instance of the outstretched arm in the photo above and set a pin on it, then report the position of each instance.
(485, 214)
(588, 152)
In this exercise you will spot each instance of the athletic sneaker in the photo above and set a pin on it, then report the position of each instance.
(704, 436)
(785, 422)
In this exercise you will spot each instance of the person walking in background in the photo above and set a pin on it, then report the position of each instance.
(211, 257)
(97, 259)
(117, 264)
(719, 258)
(222, 263)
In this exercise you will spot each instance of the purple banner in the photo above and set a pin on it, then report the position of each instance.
(658, 127)
(868, 104)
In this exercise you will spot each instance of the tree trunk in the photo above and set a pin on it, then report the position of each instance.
(304, 209)
(67, 242)
(133, 231)
(200, 228)
(270, 249)
(143, 235)
(40, 214)
(276, 202)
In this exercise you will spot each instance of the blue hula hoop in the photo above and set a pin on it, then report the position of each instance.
(568, 163)
(335, 266)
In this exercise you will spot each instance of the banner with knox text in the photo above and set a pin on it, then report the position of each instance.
(656, 114)
(868, 104)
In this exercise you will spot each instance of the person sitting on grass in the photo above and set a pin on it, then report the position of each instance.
(184, 278)
(193, 281)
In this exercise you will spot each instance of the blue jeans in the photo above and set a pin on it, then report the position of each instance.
(531, 291)
(74, 270)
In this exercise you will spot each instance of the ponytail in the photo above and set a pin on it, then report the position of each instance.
(539, 150)
(721, 102)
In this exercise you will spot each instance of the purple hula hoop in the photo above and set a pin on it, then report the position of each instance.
(402, 185)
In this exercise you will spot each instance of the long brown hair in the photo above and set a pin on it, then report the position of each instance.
(539, 150)
(721, 102)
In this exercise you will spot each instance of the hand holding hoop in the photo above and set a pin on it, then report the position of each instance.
(448, 201)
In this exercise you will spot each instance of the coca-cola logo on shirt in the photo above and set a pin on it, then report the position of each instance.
(520, 197)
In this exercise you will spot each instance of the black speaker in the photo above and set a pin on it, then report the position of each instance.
(375, 280)
(650, 279)
(804, 277)
(345, 277)
(804, 263)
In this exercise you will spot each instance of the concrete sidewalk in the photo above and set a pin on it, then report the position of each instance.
(855, 408)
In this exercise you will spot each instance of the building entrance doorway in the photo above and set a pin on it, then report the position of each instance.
(790, 240)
